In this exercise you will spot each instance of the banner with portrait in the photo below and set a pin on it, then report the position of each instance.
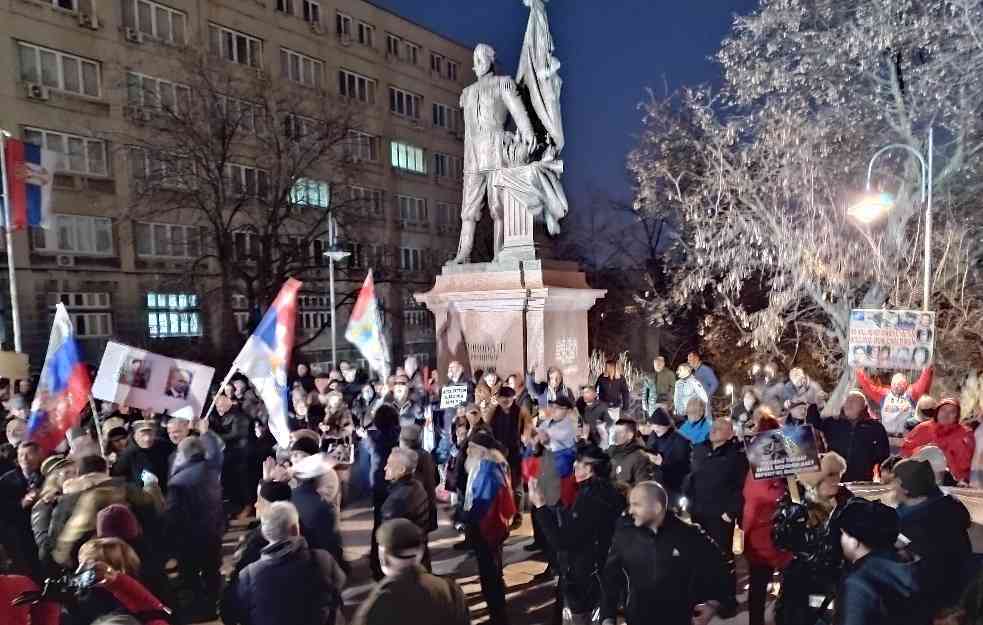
(891, 339)
(149, 381)
(783, 452)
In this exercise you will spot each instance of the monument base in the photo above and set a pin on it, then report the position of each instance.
(513, 315)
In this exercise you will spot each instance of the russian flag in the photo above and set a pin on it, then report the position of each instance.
(491, 504)
(266, 354)
(63, 389)
(30, 175)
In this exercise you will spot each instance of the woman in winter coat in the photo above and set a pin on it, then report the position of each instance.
(764, 558)
(945, 431)
(56, 470)
(810, 532)
(549, 390)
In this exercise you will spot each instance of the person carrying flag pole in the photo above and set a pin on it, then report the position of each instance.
(364, 329)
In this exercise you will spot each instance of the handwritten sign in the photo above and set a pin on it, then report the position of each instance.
(453, 395)
(891, 339)
(783, 452)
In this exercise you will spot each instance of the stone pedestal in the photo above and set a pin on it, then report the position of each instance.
(515, 314)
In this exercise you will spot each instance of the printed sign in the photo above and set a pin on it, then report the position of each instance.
(892, 339)
(13, 366)
(783, 452)
(149, 381)
(453, 395)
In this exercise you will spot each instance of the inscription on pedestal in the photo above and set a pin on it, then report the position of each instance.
(485, 355)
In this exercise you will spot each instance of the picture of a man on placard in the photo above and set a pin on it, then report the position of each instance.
(135, 373)
(178, 383)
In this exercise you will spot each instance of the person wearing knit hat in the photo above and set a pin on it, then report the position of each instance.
(671, 451)
(945, 431)
(117, 521)
(936, 527)
(317, 496)
(879, 586)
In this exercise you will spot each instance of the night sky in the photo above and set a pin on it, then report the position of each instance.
(611, 51)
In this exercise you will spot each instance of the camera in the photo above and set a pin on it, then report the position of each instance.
(58, 589)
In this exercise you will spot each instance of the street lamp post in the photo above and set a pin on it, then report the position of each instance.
(872, 206)
(335, 253)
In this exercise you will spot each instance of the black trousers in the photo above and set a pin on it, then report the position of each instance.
(722, 533)
(199, 567)
(758, 593)
(490, 574)
(378, 498)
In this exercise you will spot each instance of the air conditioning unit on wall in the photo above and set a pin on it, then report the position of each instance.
(37, 91)
(64, 260)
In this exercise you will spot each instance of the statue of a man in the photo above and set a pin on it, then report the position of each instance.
(486, 105)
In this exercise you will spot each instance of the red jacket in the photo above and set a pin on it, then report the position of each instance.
(955, 440)
(894, 410)
(128, 591)
(760, 502)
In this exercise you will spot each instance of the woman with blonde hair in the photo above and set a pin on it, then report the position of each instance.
(114, 552)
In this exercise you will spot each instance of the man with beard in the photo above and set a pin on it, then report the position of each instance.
(669, 571)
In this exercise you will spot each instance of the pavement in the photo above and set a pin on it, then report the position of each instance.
(530, 602)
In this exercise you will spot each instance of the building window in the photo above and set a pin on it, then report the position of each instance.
(68, 5)
(369, 201)
(236, 113)
(445, 116)
(404, 103)
(167, 240)
(409, 259)
(165, 171)
(77, 155)
(247, 181)
(448, 214)
(235, 46)
(343, 26)
(408, 157)
(366, 34)
(313, 193)
(356, 86)
(452, 70)
(301, 69)
(173, 315)
(362, 146)
(58, 70)
(90, 313)
(156, 93)
(394, 46)
(158, 21)
(296, 127)
(447, 166)
(312, 11)
(436, 64)
(77, 234)
(412, 209)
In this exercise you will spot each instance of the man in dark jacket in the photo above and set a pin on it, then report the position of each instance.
(862, 441)
(879, 588)
(19, 490)
(671, 451)
(146, 451)
(715, 486)
(612, 388)
(630, 462)
(670, 571)
(234, 427)
(593, 414)
(195, 522)
(318, 517)
(937, 526)
(505, 427)
(581, 536)
(407, 498)
(411, 439)
(408, 593)
(292, 583)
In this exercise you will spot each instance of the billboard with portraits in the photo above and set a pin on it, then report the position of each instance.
(891, 339)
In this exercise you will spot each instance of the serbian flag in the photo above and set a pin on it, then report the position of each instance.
(30, 175)
(489, 503)
(265, 355)
(365, 329)
(63, 389)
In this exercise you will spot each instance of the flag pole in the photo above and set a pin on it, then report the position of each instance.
(228, 376)
(8, 233)
(95, 419)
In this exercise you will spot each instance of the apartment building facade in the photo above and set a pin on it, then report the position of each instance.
(124, 279)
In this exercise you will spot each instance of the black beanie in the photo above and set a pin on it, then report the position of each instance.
(274, 491)
(660, 417)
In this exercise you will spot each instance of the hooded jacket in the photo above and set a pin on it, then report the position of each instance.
(631, 465)
(696, 432)
(954, 439)
(761, 499)
(881, 589)
(686, 389)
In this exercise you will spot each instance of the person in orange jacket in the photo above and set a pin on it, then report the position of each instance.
(895, 403)
(945, 432)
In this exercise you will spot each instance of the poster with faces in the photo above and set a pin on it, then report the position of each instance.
(891, 339)
(149, 381)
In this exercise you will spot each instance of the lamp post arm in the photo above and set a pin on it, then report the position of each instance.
(914, 152)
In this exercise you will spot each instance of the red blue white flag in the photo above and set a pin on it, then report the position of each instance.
(63, 389)
(266, 354)
(365, 329)
(30, 174)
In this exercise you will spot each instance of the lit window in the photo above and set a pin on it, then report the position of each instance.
(77, 234)
(314, 193)
(173, 315)
(157, 21)
(58, 70)
(408, 157)
(235, 46)
(77, 155)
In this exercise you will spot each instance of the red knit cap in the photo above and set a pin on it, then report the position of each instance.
(116, 521)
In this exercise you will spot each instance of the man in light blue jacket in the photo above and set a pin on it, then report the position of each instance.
(687, 387)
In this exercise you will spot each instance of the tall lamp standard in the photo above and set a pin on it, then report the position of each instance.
(335, 253)
(874, 205)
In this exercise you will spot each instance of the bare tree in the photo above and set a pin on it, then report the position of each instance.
(761, 175)
(261, 167)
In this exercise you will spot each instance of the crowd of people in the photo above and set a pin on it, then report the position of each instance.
(634, 501)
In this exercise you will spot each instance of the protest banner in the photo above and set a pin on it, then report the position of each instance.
(453, 395)
(891, 339)
(148, 381)
(783, 452)
(14, 366)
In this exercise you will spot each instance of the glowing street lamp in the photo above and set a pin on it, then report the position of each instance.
(335, 253)
(871, 207)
